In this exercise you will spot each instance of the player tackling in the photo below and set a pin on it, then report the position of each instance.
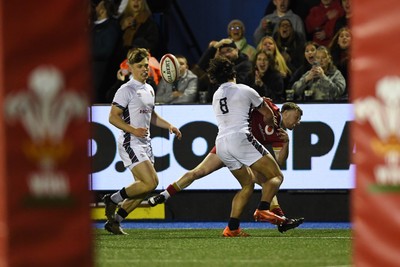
(231, 104)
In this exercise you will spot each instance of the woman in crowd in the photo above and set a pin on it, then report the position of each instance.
(265, 78)
(269, 45)
(290, 44)
(309, 58)
(323, 81)
(340, 51)
(139, 29)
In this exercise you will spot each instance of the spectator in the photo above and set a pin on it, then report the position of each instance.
(269, 23)
(105, 35)
(264, 78)
(344, 20)
(309, 58)
(323, 81)
(289, 43)
(184, 90)
(139, 29)
(340, 51)
(269, 45)
(224, 48)
(321, 20)
(236, 32)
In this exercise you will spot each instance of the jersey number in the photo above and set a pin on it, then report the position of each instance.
(223, 105)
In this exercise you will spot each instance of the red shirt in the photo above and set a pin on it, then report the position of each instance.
(266, 136)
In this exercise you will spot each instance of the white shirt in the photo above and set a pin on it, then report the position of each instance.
(232, 104)
(136, 99)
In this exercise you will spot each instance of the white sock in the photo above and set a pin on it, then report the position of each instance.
(118, 218)
(165, 193)
(116, 197)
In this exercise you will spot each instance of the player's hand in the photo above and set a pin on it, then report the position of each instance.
(267, 99)
(173, 129)
(283, 135)
(140, 132)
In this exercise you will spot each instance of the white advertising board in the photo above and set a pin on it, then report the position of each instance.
(319, 156)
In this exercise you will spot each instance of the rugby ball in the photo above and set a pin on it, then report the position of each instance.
(169, 68)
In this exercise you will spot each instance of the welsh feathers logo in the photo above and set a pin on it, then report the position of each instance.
(45, 111)
(383, 114)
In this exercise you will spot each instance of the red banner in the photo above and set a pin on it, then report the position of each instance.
(376, 95)
(3, 203)
(45, 80)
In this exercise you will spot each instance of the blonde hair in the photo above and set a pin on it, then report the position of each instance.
(280, 62)
(136, 55)
(325, 50)
(128, 11)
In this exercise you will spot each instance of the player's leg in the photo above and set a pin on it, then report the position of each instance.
(281, 153)
(276, 208)
(270, 183)
(146, 180)
(209, 164)
(274, 205)
(241, 198)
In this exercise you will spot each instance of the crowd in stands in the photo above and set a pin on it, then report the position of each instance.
(302, 46)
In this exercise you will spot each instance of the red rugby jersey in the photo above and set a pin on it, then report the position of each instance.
(266, 136)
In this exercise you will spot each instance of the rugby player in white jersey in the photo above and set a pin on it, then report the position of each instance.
(232, 104)
(132, 111)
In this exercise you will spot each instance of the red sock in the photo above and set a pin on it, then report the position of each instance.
(278, 211)
(172, 190)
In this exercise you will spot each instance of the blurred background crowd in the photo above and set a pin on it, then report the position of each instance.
(288, 50)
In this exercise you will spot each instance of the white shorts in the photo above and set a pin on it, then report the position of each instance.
(238, 149)
(132, 155)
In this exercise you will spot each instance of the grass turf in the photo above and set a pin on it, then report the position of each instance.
(206, 247)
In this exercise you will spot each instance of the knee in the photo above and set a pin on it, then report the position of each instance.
(248, 188)
(279, 179)
(151, 184)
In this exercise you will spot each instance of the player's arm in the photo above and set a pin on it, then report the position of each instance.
(115, 118)
(283, 153)
(160, 122)
(268, 114)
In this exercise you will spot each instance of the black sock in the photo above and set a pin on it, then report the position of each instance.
(121, 212)
(264, 205)
(123, 193)
(233, 224)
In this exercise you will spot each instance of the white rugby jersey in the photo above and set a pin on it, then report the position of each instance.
(137, 102)
(232, 104)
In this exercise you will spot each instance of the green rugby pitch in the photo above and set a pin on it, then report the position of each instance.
(206, 247)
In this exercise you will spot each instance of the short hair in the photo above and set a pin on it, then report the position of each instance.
(236, 21)
(291, 106)
(111, 8)
(136, 55)
(221, 70)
